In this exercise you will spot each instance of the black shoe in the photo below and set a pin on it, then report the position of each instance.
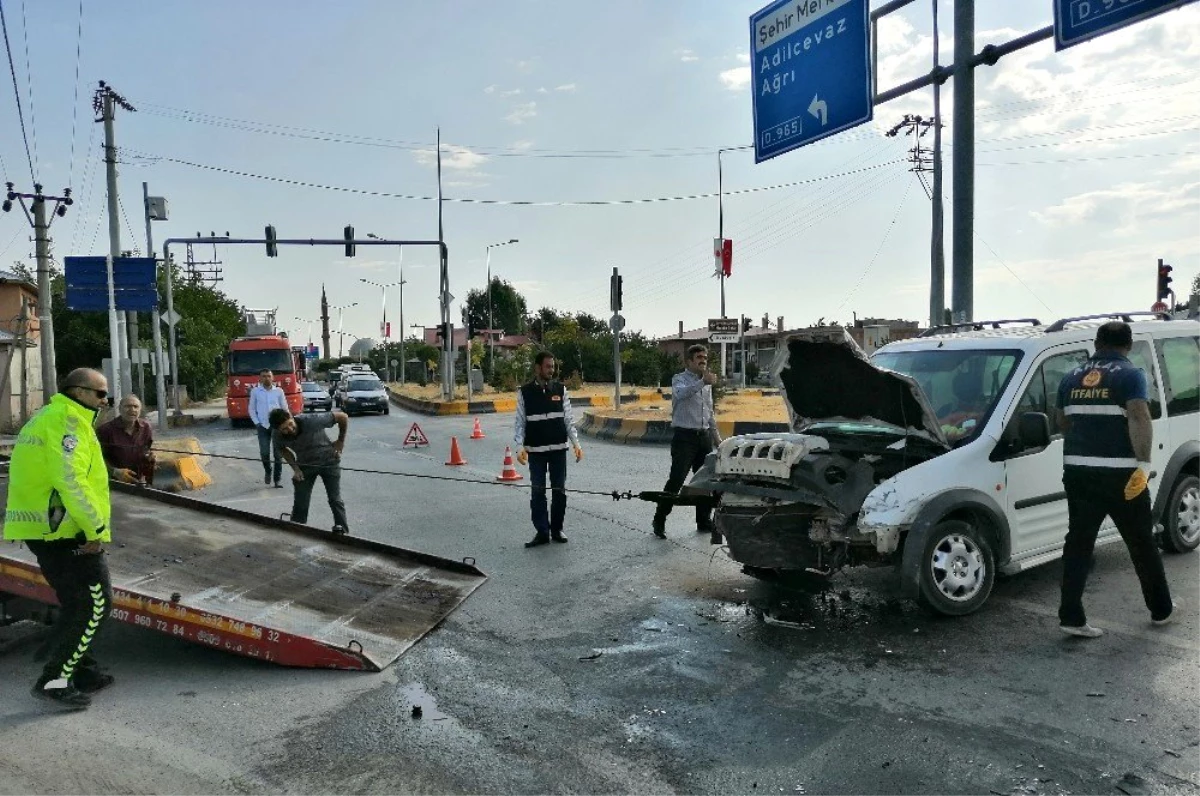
(70, 697)
(89, 681)
(538, 541)
(705, 527)
(715, 538)
(558, 537)
(660, 528)
(267, 479)
(341, 530)
(278, 485)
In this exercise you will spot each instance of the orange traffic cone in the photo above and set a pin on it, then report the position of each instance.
(509, 473)
(456, 458)
(477, 432)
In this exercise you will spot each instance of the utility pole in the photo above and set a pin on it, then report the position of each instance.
(963, 162)
(923, 161)
(105, 104)
(448, 352)
(721, 237)
(616, 301)
(937, 236)
(160, 376)
(40, 220)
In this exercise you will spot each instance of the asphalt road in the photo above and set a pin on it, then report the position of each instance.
(622, 663)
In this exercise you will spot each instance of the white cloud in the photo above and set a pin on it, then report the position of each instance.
(735, 79)
(687, 56)
(568, 88)
(523, 145)
(524, 67)
(514, 92)
(522, 112)
(490, 90)
(1125, 207)
(543, 90)
(743, 57)
(454, 158)
(524, 286)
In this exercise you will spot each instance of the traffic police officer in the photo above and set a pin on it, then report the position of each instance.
(1104, 411)
(58, 504)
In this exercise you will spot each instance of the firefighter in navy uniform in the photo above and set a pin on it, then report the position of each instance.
(1105, 414)
(544, 429)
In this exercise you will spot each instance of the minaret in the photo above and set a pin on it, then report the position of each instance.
(324, 325)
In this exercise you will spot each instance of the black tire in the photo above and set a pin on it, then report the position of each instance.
(958, 569)
(1181, 516)
(387, 410)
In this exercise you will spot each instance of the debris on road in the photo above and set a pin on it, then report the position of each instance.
(1096, 693)
(417, 712)
(593, 656)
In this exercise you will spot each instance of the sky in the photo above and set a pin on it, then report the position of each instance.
(1087, 160)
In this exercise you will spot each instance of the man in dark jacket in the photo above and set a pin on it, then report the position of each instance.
(544, 430)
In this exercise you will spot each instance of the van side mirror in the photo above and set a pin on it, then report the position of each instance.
(1034, 430)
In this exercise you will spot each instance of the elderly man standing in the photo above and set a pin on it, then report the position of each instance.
(127, 441)
(58, 505)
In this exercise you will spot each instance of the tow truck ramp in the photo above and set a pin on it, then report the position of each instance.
(259, 587)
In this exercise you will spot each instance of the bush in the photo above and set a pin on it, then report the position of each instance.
(574, 382)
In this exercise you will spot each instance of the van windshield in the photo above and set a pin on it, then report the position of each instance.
(364, 385)
(962, 386)
(251, 363)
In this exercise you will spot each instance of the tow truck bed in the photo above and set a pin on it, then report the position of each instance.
(260, 587)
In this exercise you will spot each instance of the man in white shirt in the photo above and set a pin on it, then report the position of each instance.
(695, 434)
(263, 398)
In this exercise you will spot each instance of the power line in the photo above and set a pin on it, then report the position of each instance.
(75, 103)
(1093, 159)
(1014, 273)
(507, 202)
(882, 243)
(29, 85)
(128, 227)
(12, 69)
(85, 193)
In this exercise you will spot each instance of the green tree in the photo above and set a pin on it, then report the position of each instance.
(507, 306)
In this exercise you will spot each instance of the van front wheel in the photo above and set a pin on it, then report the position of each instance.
(957, 569)
(1181, 520)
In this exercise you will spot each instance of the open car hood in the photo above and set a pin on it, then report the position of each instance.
(825, 377)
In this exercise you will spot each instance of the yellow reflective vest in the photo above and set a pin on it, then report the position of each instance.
(58, 482)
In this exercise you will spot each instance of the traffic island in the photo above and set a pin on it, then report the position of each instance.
(744, 412)
(425, 400)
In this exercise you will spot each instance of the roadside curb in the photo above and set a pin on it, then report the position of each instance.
(502, 405)
(180, 467)
(632, 431)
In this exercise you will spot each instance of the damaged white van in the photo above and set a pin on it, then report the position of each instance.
(940, 455)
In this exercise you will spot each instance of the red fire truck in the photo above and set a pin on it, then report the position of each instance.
(249, 356)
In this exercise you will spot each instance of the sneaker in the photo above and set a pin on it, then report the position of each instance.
(1166, 620)
(1082, 631)
(660, 528)
(89, 681)
(558, 537)
(341, 530)
(538, 541)
(61, 693)
(278, 485)
(267, 479)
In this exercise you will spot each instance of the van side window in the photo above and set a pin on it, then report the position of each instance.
(1181, 373)
(1143, 357)
(1042, 393)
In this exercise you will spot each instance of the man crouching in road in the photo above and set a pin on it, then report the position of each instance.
(58, 505)
(304, 445)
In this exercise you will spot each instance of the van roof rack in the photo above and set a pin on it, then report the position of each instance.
(976, 326)
(1128, 317)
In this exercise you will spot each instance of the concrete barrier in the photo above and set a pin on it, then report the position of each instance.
(179, 465)
(489, 406)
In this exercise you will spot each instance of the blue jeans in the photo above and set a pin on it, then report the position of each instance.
(556, 463)
(264, 453)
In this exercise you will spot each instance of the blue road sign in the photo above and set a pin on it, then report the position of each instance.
(1077, 21)
(88, 299)
(132, 272)
(810, 67)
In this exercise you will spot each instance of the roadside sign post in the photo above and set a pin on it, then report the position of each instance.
(810, 67)
(1077, 21)
(724, 330)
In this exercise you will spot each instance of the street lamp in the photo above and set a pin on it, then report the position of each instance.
(383, 326)
(491, 335)
(401, 285)
(342, 337)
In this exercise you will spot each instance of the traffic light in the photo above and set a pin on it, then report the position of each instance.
(1164, 280)
(272, 247)
(745, 324)
(348, 234)
(615, 300)
(443, 332)
(180, 336)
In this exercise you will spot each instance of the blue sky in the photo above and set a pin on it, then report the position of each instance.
(1089, 160)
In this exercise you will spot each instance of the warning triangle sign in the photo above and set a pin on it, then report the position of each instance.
(415, 437)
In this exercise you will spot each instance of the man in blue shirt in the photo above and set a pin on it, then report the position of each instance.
(695, 434)
(264, 398)
(1104, 411)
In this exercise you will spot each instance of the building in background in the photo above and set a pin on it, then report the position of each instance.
(20, 352)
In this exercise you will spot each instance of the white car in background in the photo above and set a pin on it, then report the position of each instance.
(359, 392)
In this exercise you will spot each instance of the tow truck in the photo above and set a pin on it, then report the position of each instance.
(255, 586)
